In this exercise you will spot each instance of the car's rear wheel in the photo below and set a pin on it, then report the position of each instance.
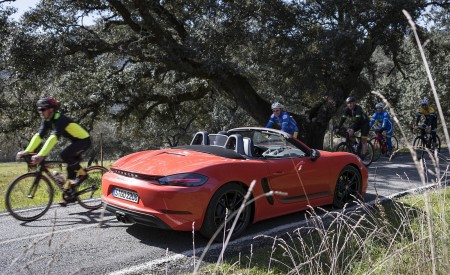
(348, 186)
(222, 210)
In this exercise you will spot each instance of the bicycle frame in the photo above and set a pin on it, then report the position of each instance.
(355, 146)
(42, 169)
(426, 137)
(381, 139)
(352, 143)
(424, 142)
(38, 188)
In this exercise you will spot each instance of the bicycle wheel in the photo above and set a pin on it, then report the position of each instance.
(343, 147)
(418, 142)
(26, 200)
(90, 189)
(419, 147)
(376, 149)
(368, 156)
(438, 144)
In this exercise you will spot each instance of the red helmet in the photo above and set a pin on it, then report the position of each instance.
(47, 102)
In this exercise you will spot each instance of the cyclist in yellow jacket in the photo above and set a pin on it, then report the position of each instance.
(59, 125)
(427, 111)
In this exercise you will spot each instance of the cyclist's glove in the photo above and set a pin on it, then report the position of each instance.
(36, 159)
(21, 154)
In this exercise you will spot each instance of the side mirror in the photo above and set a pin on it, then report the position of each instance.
(315, 154)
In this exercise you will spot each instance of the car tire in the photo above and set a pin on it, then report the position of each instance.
(230, 197)
(348, 186)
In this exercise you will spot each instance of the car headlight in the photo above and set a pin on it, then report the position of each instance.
(185, 179)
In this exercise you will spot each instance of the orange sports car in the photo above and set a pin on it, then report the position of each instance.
(257, 173)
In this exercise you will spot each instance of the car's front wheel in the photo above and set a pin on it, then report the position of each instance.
(348, 186)
(222, 210)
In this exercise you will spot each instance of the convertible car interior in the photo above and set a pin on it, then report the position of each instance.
(250, 144)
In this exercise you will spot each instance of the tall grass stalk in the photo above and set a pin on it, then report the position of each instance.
(241, 208)
(234, 215)
(193, 241)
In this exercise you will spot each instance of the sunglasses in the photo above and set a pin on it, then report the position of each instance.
(42, 109)
(277, 110)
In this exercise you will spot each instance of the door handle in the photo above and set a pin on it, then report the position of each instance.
(277, 173)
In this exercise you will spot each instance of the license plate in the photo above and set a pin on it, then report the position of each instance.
(125, 195)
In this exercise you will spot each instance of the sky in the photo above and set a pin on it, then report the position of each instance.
(22, 6)
(25, 5)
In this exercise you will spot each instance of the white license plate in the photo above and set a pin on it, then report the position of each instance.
(125, 194)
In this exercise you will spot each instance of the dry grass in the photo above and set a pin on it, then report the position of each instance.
(387, 238)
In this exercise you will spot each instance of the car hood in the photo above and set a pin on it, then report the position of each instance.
(167, 161)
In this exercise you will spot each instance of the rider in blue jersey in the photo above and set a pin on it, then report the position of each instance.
(382, 121)
(282, 120)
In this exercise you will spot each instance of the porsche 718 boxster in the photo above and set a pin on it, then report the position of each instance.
(202, 184)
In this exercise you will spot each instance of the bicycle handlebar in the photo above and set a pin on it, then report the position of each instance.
(420, 130)
(27, 157)
(28, 160)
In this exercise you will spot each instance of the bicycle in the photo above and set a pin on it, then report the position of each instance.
(380, 145)
(30, 195)
(353, 145)
(424, 141)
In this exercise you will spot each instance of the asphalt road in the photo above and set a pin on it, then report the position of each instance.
(72, 240)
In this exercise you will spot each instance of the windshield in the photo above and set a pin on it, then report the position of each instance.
(272, 145)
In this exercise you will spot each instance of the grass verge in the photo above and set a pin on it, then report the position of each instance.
(389, 238)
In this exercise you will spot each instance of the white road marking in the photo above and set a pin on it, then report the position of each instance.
(56, 232)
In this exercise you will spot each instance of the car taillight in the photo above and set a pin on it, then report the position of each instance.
(187, 179)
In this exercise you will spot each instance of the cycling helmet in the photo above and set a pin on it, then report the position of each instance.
(350, 99)
(379, 105)
(277, 105)
(424, 101)
(47, 102)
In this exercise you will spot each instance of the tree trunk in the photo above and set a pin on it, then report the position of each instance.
(238, 88)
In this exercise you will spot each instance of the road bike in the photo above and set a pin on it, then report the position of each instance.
(424, 141)
(353, 145)
(30, 195)
(380, 145)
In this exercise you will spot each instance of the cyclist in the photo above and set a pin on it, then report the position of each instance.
(359, 121)
(382, 120)
(59, 125)
(282, 120)
(429, 114)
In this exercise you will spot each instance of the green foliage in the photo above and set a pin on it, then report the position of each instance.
(184, 66)
(403, 80)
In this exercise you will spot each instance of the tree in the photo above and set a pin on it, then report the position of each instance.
(141, 55)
